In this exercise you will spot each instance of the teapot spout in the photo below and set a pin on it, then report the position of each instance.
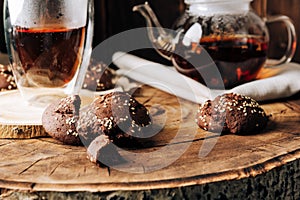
(161, 40)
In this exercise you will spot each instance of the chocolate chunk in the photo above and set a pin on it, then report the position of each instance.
(103, 152)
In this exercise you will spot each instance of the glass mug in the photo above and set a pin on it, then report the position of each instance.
(223, 34)
(49, 45)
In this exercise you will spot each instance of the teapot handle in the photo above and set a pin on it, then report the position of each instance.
(292, 40)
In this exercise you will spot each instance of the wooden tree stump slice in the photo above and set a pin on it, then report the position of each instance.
(22, 131)
(17, 119)
(168, 159)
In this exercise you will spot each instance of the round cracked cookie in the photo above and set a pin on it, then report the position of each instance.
(99, 77)
(232, 113)
(117, 115)
(7, 81)
(60, 119)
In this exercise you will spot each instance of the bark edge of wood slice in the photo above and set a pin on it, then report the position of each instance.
(21, 131)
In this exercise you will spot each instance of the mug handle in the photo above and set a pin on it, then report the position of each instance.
(292, 40)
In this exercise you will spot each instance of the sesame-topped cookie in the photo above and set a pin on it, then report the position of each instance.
(7, 81)
(98, 77)
(116, 114)
(232, 113)
(60, 120)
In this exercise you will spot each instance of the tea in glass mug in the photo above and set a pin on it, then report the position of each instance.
(49, 44)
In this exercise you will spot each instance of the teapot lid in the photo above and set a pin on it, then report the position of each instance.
(211, 1)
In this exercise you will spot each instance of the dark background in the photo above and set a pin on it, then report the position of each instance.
(115, 16)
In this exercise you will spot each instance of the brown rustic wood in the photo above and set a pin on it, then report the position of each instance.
(46, 165)
(263, 166)
(21, 131)
(23, 121)
(260, 7)
(278, 34)
(17, 120)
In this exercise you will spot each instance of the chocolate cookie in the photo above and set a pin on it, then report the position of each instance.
(103, 152)
(60, 120)
(7, 81)
(117, 115)
(98, 77)
(232, 113)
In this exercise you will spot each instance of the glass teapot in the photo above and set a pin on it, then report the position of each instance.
(223, 34)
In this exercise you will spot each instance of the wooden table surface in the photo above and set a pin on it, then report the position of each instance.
(168, 165)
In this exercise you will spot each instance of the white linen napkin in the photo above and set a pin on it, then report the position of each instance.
(280, 82)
